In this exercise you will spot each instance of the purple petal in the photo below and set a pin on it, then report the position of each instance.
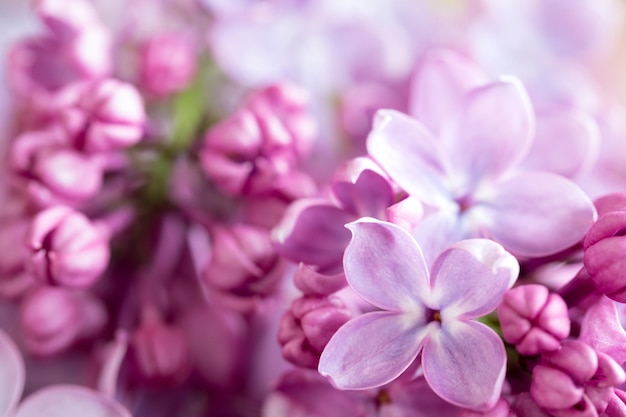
(369, 195)
(69, 401)
(602, 330)
(385, 266)
(439, 230)
(465, 363)
(312, 231)
(470, 278)
(373, 349)
(535, 214)
(12, 374)
(566, 143)
(410, 155)
(494, 132)
(439, 86)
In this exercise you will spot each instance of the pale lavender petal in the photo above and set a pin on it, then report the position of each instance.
(12, 374)
(535, 214)
(410, 155)
(373, 349)
(369, 195)
(312, 231)
(441, 229)
(439, 86)
(494, 132)
(385, 266)
(566, 143)
(601, 329)
(69, 401)
(465, 363)
(471, 277)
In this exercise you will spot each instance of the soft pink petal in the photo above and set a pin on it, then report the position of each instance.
(493, 133)
(372, 349)
(566, 143)
(410, 155)
(465, 363)
(535, 214)
(369, 195)
(385, 266)
(69, 401)
(12, 374)
(601, 329)
(441, 229)
(312, 231)
(439, 85)
(470, 278)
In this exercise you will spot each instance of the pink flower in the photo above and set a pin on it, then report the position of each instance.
(422, 313)
(461, 159)
(168, 63)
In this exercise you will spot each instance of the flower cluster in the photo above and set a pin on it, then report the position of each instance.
(303, 208)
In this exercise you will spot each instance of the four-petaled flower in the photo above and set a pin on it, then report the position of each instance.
(463, 360)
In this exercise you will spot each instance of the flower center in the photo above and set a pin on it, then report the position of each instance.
(433, 315)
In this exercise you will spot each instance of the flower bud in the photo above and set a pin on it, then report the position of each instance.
(167, 63)
(604, 259)
(41, 67)
(534, 320)
(575, 380)
(311, 282)
(107, 115)
(284, 120)
(54, 174)
(230, 150)
(243, 261)
(161, 354)
(66, 248)
(52, 319)
(251, 150)
(308, 326)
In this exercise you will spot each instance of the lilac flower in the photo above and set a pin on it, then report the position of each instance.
(469, 175)
(312, 229)
(428, 313)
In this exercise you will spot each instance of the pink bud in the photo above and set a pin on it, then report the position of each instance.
(609, 203)
(308, 326)
(167, 63)
(243, 261)
(161, 354)
(259, 145)
(284, 119)
(107, 115)
(52, 319)
(53, 173)
(67, 249)
(604, 259)
(39, 67)
(229, 151)
(534, 320)
(575, 380)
